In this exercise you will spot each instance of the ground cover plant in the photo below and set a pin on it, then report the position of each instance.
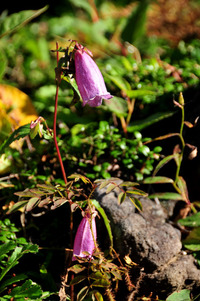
(68, 133)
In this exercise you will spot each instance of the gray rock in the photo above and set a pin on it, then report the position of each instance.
(151, 242)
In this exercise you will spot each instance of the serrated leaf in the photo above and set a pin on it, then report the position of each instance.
(157, 180)
(121, 197)
(105, 219)
(191, 221)
(167, 196)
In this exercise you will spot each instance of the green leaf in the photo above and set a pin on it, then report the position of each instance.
(27, 290)
(16, 21)
(105, 218)
(3, 63)
(192, 241)
(111, 187)
(183, 295)
(162, 163)
(141, 124)
(128, 184)
(191, 221)
(77, 268)
(6, 247)
(21, 132)
(101, 282)
(167, 196)
(11, 281)
(183, 188)
(82, 293)
(120, 82)
(136, 191)
(17, 206)
(139, 93)
(96, 275)
(157, 180)
(97, 295)
(32, 203)
(16, 255)
(121, 197)
(135, 24)
(136, 203)
(117, 105)
(78, 279)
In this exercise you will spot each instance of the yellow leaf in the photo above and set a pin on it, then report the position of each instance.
(16, 109)
(17, 105)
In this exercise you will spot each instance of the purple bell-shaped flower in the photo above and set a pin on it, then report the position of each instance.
(89, 79)
(85, 237)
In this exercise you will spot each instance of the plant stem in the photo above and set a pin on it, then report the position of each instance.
(54, 136)
(61, 162)
(183, 144)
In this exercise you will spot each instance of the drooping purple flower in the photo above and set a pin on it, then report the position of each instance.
(84, 240)
(89, 79)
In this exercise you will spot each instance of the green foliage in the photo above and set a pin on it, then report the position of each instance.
(98, 276)
(21, 132)
(103, 151)
(14, 22)
(183, 295)
(11, 250)
(102, 143)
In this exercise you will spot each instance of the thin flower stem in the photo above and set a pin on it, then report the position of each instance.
(183, 144)
(61, 163)
(54, 136)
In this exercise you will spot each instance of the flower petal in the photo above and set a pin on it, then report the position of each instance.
(89, 80)
(84, 241)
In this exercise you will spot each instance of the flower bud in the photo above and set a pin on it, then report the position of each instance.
(89, 79)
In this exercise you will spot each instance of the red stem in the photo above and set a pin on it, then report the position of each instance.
(54, 136)
(61, 162)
